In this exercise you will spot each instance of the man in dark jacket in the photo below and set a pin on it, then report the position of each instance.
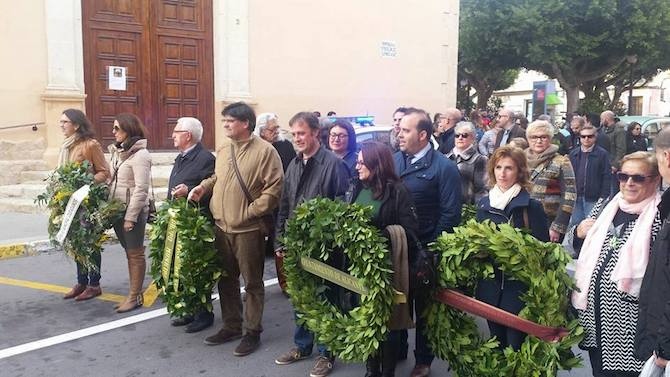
(434, 183)
(193, 164)
(315, 172)
(510, 129)
(653, 325)
(452, 117)
(591, 165)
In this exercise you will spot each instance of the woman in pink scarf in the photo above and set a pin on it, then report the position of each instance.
(614, 244)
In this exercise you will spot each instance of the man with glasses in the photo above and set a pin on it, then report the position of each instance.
(510, 129)
(246, 187)
(591, 165)
(452, 116)
(193, 164)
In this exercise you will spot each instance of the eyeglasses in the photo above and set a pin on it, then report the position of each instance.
(360, 163)
(229, 120)
(116, 129)
(538, 138)
(462, 136)
(179, 131)
(637, 178)
(503, 116)
(338, 136)
(587, 136)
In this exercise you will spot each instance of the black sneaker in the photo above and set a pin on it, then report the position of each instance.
(248, 345)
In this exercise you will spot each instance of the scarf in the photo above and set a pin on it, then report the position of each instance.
(499, 199)
(535, 160)
(64, 155)
(634, 254)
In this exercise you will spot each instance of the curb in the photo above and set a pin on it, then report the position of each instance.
(23, 249)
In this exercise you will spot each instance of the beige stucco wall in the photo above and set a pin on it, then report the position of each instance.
(23, 67)
(326, 55)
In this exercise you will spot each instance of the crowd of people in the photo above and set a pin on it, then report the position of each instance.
(592, 187)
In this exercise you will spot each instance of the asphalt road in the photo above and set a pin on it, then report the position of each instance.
(145, 345)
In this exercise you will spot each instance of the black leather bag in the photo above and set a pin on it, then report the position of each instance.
(423, 267)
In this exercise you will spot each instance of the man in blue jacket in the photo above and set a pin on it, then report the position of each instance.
(434, 182)
(591, 164)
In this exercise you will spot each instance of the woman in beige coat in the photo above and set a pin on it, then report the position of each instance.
(131, 163)
(79, 146)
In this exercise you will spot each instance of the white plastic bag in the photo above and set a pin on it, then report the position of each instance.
(652, 370)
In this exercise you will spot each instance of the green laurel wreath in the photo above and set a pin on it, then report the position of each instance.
(200, 267)
(466, 257)
(317, 227)
(86, 235)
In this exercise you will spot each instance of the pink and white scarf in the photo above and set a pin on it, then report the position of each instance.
(634, 254)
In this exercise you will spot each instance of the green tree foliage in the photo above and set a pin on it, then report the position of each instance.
(476, 64)
(573, 41)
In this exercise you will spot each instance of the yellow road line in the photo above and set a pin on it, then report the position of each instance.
(54, 288)
(11, 251)
(150, 295)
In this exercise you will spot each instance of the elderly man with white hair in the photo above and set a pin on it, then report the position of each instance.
(267, 128)
(193, 164)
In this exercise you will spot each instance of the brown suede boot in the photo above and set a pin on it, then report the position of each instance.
(137, 267)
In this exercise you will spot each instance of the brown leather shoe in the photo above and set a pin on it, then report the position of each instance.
(89, 293)
(420, 370)
(75, 291)
(222, 336)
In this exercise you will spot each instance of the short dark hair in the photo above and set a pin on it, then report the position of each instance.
(307, 117)
(242, 112)
(331, 113)
(351, 133)
(400, 109)
(78, 118)
(132, 125)
(425, 123)
(379, 160)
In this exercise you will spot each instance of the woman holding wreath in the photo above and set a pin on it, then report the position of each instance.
(509, 202)
(79, 146)
(614, 245)
(130, 182)
(379, 187)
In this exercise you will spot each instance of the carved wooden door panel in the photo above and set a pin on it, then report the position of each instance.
(166, 46)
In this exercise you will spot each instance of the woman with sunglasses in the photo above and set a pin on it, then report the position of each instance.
(471, 165)
(613, 246)
(552, 178)
(378, 186)
(131, 163)
(79, 146)
(635, 140)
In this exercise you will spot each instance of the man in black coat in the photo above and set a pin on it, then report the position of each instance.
(510, 129)
(193, 164)
(653, 325)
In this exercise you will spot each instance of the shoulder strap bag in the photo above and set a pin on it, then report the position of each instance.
(267, 221)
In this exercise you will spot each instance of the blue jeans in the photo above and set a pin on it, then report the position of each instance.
(92, 276)
(304, 340)
(581, 210)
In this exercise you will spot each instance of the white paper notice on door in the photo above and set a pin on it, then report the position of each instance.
(116, 77)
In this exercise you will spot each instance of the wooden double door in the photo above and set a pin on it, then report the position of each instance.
(166, 47)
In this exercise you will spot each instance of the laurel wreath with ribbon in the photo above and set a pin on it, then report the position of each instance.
(318, 228)
(78, 224)
(468, 255)
(184, 263)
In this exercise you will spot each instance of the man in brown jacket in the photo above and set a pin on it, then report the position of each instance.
(240, 201)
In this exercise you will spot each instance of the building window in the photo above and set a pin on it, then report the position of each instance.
(636, 106)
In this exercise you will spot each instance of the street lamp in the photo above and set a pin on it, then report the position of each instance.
(631, 59)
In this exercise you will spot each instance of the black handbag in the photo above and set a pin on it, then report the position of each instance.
(423, 267)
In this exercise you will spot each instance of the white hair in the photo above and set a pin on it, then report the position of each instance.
(262, 121)
(469, 125)
(193, 126)
(541, 126)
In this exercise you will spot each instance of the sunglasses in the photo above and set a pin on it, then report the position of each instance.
(587, 136)
(461, 136)
(637, 178)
